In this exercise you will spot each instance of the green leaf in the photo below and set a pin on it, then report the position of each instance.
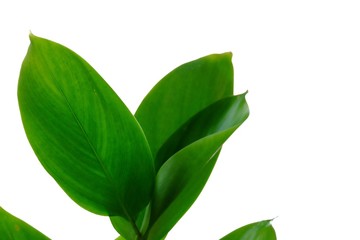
(13, 228)
(121, 238)
(255, 231)
(125, 228)
(223, 114)
(181, 94)
(183, 176)
(82, 133)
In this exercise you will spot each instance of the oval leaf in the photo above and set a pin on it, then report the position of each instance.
(255, 231)
(13, 228)
(82, 133)
(182, 177)
(181, 94)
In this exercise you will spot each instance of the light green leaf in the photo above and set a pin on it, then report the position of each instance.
(82, 133)
(121, 238)
(13, 228)
(183, 176)
(181, 94)
(255, 231)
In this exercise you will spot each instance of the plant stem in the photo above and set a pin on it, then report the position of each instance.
(135, 227)
(133, 224)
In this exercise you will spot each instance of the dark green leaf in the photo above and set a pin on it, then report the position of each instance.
(222, 115)
(183, 176)
(255, 231)
(13, 228)
(82, 133)
(181, 94)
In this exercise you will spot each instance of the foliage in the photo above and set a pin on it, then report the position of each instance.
(145, 170)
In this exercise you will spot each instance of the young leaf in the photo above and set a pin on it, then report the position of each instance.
(255, 231)
(181, 94)
(183, 176)
(82, 133)
(13, 228)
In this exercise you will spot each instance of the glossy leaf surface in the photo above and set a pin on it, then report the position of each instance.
(82, 133)
(13, 228)
(182, 177)
(181, 94)
(221, 115)
(255, 231)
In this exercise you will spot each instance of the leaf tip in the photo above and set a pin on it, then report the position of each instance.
(230, 54)
(31, 36)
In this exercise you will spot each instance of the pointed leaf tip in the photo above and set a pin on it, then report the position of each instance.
(229, 54)
(62, 97)
(262, 230)
(31, 36)
(177, 95)
(187, 159)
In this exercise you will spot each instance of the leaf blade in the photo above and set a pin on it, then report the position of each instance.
(183, 176)
(82, 133)
(13, 228)
(177, 95)
(262, 230)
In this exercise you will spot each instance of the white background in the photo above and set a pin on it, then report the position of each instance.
(297, 155)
